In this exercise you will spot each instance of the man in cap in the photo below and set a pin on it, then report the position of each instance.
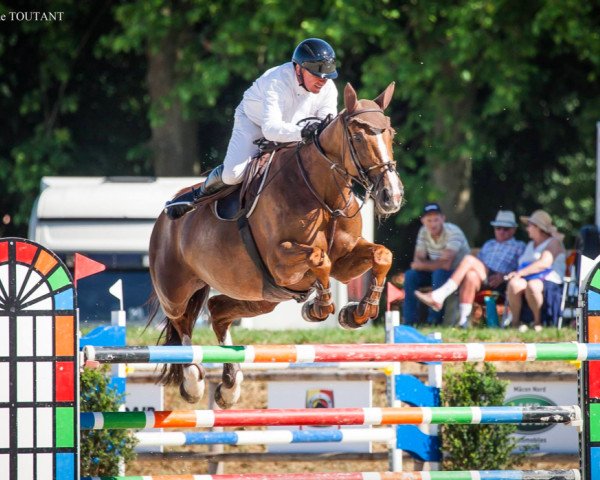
(440, 248)
(496, 259)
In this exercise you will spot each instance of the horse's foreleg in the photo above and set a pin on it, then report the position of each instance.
(294, 256)
(365, 255)
(223, 311)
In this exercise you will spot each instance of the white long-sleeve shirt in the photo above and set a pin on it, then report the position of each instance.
(275, 103)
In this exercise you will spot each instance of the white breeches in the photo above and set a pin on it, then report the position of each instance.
(241, 148)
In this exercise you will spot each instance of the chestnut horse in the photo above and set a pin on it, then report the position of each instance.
(307, 228)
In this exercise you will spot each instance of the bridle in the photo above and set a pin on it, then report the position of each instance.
(349, 179)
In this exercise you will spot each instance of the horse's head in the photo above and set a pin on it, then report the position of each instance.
(369, 156)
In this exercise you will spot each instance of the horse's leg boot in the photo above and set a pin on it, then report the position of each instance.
(185, 202)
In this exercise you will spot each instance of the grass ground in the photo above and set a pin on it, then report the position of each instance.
(373, 334)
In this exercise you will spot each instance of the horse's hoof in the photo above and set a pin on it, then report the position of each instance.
(306, 315)
(187, 397)
(192, 387)
(346, 317)
(220, 400)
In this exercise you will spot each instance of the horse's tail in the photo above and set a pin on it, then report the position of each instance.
(153, 308)
(173, 373)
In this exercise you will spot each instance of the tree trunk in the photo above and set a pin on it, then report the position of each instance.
(174, 142)
(454, 179)
(453, 176)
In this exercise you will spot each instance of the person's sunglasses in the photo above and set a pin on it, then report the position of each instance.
(502, 228)
(323, 66)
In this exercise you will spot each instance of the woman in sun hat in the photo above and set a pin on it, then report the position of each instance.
(540, 274)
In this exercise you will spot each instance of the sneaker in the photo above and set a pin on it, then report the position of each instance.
(428, 300)
(523, 328)
(538, 328)
(508, 319)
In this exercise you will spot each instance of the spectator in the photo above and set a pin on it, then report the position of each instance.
(497, 258)
(440, 248)
(539, 275)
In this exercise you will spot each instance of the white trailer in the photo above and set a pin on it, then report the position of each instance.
(108, 219)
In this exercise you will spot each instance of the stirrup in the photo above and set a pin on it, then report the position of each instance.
(176, 210)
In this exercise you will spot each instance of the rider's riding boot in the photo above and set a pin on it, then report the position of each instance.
(185, 202)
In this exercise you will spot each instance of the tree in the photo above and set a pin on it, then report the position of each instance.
(490, 94)
(495, 105)
(66, 110)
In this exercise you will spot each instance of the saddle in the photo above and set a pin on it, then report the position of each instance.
(237, 203)
(241, 199)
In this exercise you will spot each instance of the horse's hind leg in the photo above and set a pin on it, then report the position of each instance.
(223, 311)
(192, 386)
(178, 331)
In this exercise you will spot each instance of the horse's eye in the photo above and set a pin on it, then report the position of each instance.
(357, 137)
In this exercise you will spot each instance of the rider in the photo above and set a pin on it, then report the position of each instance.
(271, 108)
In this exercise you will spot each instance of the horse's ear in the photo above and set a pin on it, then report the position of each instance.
(383, 100)
(350, 98)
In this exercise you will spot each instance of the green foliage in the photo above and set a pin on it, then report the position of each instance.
(505, 93)
(476, 447)
(570, 186)
(65, 110)
(102, 450)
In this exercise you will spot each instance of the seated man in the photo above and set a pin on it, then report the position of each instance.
(440, 247)
(496, 258)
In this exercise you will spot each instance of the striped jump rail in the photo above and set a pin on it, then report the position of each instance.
(265, 437)
(329, 416)
(447, 475)
(416, 352)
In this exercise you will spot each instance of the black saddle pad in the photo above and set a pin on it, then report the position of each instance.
(228, 207)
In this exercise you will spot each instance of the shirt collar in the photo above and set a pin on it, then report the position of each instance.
(298, 89)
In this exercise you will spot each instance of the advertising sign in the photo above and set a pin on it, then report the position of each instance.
(555, 438)
(145, 397)
(320, 394)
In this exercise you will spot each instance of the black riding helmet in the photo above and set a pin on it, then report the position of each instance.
(316, 56)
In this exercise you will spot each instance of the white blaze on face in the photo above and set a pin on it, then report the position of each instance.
(392, 177)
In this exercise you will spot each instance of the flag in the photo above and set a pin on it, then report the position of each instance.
(393, 293)
(84, 267)
(117, 291)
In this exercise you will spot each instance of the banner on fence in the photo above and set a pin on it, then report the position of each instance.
(543, 393)
(332, 394)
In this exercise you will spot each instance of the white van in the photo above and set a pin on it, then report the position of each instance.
(110, 219)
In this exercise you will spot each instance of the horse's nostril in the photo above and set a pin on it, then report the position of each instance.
(386, 197)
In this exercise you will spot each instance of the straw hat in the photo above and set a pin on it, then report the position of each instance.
(541, 220)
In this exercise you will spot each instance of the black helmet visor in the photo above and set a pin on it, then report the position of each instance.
(321, 68)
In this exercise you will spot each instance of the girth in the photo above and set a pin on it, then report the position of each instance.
(270, 287)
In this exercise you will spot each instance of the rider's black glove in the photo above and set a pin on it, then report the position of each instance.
(308, 131)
